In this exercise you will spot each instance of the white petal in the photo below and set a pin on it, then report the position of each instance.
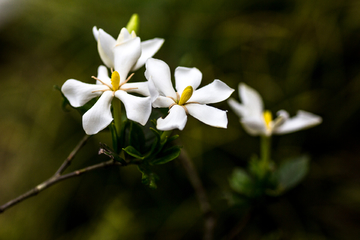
(103, 75)
(79, 93)
(124, 36)
(137, 87)
(300, 121)
(99, 116)
(95, 32)
(162, 102)
(238, 108)
(214, 92)
(209, 115)
(283, 114)
(106, 44)
(154, 93)
(125, 56)
(254, 126)
(251, 100)
(148, 49)
(253, 123)
(138, 109)
(176, 119)
(185, 77)
(159, 72)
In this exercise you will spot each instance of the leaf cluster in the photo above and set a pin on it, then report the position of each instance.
(253, 183)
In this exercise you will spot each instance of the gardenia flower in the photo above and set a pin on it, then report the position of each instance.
(99, 116)
(186, 99)
(108, 51)
(256, 121)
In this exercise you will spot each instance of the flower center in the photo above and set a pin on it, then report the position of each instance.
(115, 83)
(115, 80)
(268, 119)
(186, 95)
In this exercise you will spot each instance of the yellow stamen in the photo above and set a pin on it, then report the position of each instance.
(115, 80)
(100, 81)
(267, 118)
(186, 95)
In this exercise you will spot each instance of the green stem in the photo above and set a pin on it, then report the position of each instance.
(265, 152)
(116, 104)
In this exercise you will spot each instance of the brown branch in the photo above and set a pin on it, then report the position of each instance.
(209, 216)
(57, 177)
(67, 161)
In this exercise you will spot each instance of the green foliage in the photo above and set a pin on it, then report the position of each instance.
(241, 182)
(254, 183)
(143, 152)
(292, 172)
(133, 152)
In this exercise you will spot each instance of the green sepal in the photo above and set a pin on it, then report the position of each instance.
(104, 149)
(133, 152)
(167, 155)
(292, 172)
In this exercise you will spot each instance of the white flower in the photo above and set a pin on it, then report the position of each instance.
(109, 52)
(99, 116)
(187, 100)
(256, 121)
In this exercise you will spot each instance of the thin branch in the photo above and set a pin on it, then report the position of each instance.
(209, 216)
(67, 161)
(57, 177)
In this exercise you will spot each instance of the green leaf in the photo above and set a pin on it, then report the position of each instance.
(241, 182)
(156, 147)
(172, 138)
(122, 139)
(114, 136)
(167, 155)
(136, 136)
(292, 172)
(133, 152)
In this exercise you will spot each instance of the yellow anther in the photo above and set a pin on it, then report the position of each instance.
(115, 80)
(186, 95)
(267, 118)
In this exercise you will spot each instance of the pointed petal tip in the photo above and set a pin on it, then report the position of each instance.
(95, 32)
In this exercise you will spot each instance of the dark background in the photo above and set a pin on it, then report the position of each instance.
(299, 54)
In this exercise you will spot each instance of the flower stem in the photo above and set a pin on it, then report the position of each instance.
(116, 103)
(265, 152)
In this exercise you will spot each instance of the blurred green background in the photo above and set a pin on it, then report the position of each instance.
(299, 54)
